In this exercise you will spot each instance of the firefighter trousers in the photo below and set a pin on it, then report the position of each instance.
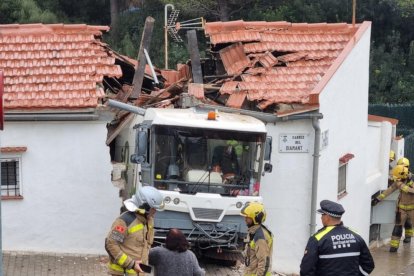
(403, 218)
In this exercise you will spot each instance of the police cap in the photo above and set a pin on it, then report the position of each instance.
(331, 208)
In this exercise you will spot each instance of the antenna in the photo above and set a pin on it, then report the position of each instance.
(192, 24)
(171, 26)
(168, 22)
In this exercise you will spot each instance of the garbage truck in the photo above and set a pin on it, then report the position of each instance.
(208, 165)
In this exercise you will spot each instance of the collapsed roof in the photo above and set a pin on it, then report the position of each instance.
(272, 67)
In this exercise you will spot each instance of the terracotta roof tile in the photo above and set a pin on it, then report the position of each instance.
(196, 89)
(236, 99)
(377, 118)
(13, 149)
(268, 60)
(229, 87)
(235, 36)
(281, 62)
(54, 66)
(234, 59)
(170, 76)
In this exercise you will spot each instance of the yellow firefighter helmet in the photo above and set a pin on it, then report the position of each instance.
(403, 161)
(400, 172)
(255, 211)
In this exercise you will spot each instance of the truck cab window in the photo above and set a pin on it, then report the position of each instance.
(199, 160)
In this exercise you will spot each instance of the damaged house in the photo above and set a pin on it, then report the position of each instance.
(309, 84)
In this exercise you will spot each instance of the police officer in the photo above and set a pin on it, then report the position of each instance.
(259, 241)
(335, 249)
(131, 235)
(405, 206)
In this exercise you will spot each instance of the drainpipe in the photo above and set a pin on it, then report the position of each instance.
(316, 149)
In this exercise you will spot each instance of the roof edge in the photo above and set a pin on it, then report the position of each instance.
(306, 108)
(314, 95)
(376, 118)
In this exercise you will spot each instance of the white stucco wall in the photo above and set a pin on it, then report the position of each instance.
(344, 103)
(69, 201)
(287, 190)
(378, 148)
(286, 195)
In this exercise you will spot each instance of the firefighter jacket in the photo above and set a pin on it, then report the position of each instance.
(258, 251)
(129, 239)
(336, 250)
(406, 198)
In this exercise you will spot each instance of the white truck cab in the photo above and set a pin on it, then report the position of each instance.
(207, 165)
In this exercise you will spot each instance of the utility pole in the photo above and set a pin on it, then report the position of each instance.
(166, 33)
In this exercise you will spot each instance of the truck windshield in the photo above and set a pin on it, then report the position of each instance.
(192, 160)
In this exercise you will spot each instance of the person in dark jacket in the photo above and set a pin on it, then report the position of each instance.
(175, 258)
(335, 249)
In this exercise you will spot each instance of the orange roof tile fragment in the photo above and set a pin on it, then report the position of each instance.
(196, 89)
(54, 65)
(13, 149)
(268, 60)
(236, 99)
(234, 59)
(281, 62)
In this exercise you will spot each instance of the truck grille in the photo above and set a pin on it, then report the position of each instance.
(204, 213)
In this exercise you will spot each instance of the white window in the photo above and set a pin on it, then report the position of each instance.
(342, 178)
(342, 174)
(11, 177)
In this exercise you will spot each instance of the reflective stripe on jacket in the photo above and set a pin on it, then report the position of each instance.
(406, 197)
(129, 239)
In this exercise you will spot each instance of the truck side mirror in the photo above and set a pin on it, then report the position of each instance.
(268, 148)
(268, 167)
(141, 146)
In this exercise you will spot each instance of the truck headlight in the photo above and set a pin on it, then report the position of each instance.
(167, 199)
(239, 204)
(176, 201)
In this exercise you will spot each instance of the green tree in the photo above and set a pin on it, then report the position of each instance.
(223, 10)
(9, 10)
(24, 11)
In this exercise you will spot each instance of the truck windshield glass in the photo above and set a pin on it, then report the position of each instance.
(192, 160)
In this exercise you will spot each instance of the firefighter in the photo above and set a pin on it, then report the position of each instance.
(408, 226)
(405, 205)
(335, 249)
(259, 241)
(406, 163)
(403, 161)
(392, 156)
(131, 235)
(390, 177)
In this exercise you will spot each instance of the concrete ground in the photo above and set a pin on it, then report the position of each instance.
(47, 264)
